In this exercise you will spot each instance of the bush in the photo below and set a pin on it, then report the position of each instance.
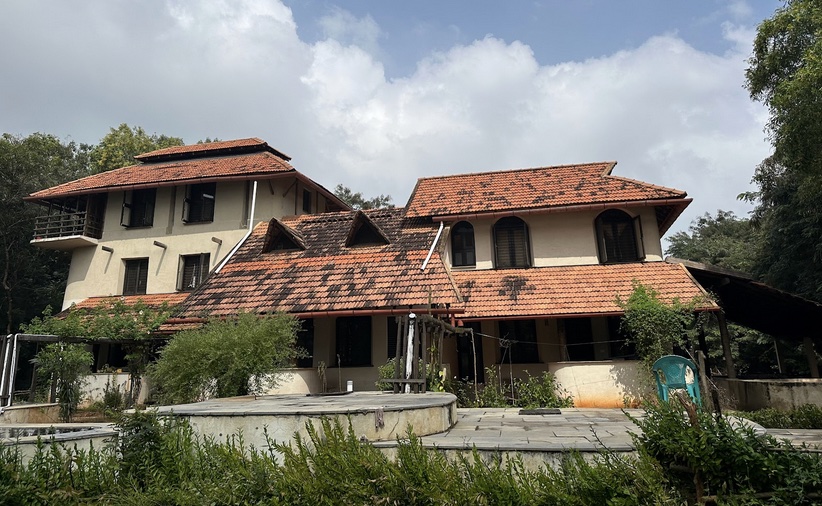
(807, 416)
(225, 358)
(69, 364)
(534, 392)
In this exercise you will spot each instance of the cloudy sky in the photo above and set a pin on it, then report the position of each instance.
(375, 94)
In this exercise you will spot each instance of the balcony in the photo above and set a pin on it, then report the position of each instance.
(67, 231)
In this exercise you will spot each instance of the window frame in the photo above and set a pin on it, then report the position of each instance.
(140, 281)
(138, 208)
(611, 245)
(200, 203)
(526, 351)
(353, 337)
(307, 200)
(463, 254)
(201, 267)
(515, 246)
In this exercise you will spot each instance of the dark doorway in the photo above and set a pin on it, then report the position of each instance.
(465, 355)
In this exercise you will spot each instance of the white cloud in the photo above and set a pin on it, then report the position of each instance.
(669, 113)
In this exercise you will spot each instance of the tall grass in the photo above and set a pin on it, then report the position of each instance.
(165, 462)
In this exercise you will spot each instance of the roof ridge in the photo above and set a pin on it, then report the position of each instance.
(523, 169)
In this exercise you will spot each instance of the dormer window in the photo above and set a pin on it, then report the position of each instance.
(138, 208)
(619, 237)
(463, 250)
(511, 244)
(199, 203)
(365, 232)
(280, 237)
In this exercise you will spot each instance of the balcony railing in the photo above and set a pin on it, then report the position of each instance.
(67, 225)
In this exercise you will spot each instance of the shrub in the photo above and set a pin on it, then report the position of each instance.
(225, 358)
(68, 364)
(807, 416)
(541, 392)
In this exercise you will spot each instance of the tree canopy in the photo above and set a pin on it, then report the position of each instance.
(722, 240)
(119, 147)
(785, 73)
(31, 278)
(357, 201)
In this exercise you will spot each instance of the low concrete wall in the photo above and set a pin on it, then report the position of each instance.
(601, 384)
(95, 386)
(25, 438)
(30, 413)
(752, 394)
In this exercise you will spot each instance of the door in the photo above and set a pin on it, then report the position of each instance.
(466, 353)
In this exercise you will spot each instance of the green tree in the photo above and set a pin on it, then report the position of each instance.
(68, 364)
(225, 358)
(119, 147)
(722, 240)
(31, 278)
(357, 201)
(785, 73)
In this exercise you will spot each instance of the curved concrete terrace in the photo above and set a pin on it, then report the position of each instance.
(375, 416)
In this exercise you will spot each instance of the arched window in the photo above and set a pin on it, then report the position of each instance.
(511, 247)
(619, 237)
(463, 251)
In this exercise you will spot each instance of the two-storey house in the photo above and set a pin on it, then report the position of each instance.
(154, 230)
(532, 259)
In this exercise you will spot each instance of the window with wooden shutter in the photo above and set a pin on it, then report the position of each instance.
(619, 237)
(199, 203)
(511, 243)
(353, 344)
(305, 340)
(138, 208)
(193, 271)
(519, 341)
(136, 278)
(463, 250)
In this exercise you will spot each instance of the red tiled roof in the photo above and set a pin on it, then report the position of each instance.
(244, 166)
(204, 148)
(328, 276)
(569, 290)
(536, 188)
(151, 300)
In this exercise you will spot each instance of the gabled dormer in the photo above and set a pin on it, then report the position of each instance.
(281, 237)
(364, 232)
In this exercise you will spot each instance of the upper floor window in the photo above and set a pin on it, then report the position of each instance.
(511, 243)
(136, 278)
(199, 203)
(463, 251)
(138, 208)
(193, 271)
(307, 201)
(619, 237)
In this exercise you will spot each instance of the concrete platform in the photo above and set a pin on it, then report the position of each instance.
(375, 416)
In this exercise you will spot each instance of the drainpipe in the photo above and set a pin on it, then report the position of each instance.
(253, 206)
(433, 245)
(7, 378)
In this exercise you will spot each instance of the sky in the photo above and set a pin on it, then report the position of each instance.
(375, 94)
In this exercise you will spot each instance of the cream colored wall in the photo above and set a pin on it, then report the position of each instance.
(95, 272)
(559, 238)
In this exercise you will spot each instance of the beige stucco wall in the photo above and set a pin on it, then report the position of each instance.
(95, 272)
(559, 238)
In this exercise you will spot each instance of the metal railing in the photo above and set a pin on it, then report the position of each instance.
(66, 225)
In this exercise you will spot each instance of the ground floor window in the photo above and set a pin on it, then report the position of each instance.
(518, 344)
(579, 339)
(305, 341)
(354, 341)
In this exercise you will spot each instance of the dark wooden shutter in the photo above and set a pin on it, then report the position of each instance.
(136, 278)
(511, 243)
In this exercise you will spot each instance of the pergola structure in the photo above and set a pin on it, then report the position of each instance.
(761, 307)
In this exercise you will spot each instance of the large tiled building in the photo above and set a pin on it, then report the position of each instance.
(532, 259)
